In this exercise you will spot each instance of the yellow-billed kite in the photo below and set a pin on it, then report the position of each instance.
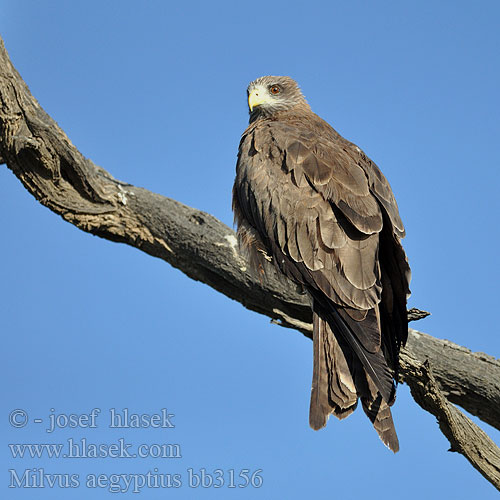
(316, 206)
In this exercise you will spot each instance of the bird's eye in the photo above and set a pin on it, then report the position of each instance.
(275, 89)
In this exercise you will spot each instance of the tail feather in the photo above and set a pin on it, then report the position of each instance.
(320, 407)
(333, 390)
(340, 377)
(379, 413)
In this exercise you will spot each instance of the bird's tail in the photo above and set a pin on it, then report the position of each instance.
(333, 389)
(339, 378)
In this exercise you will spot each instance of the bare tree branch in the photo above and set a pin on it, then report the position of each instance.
(39, 153)
(465, 436)
(469, 379)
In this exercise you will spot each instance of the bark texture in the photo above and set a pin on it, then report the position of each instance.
(40, 154)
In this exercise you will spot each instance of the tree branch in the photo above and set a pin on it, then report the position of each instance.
(465, 436)
(39, 153)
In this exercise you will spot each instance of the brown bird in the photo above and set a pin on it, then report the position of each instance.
(323, 213)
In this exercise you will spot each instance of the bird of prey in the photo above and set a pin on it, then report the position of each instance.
(322, 212)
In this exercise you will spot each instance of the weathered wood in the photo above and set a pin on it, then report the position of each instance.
(469, 379)
(61, 178)
(465, 436)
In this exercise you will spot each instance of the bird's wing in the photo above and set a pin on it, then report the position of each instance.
(379, 186)
(355, 187)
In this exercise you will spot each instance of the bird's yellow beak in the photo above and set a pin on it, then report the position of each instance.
(256, 98)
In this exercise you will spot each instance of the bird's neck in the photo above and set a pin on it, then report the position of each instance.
(266, 113)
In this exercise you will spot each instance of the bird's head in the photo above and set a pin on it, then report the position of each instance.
(271, 94)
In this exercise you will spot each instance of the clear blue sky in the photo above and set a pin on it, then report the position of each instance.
(154, 92)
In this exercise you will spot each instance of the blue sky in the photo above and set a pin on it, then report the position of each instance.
(154, 92)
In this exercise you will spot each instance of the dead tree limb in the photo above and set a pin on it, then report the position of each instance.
(465, 436)
(40, 154)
